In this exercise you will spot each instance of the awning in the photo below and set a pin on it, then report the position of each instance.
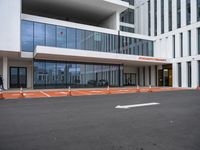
(65, 54)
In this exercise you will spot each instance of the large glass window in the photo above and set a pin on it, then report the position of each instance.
(155, 17)
(189, 74)
(50, 74)
(61, 37)
(178, 13)
(179, 75)
(39, 34)
(50, 35)
(188, 12)
(181, 44)
(170, 14)
(40, 75)
(71, 38)
(162, 16)
(80, 39)
(149, 17)
(127, 16)
(27, 36)
(174, 46)
(198, 10)
(189, 43)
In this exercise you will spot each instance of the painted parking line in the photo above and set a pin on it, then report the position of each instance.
(136, 105)
(45, 94)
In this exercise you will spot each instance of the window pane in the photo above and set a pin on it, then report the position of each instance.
(50, 35)
(61, 37)
(71, 38)
(39, 34)
(27, 36)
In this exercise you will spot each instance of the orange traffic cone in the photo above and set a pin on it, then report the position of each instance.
(1, 94)
(21, 93)
(108, 90)
(69, 91)
(150, 89)
(138, 89)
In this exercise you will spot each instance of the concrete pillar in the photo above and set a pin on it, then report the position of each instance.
(194, 73)
(184, 74)
(5, 72)
(175, 74)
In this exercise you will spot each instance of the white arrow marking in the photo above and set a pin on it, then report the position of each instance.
(136, 105)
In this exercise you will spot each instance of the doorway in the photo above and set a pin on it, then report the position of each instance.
(18, 77)
(129, 79)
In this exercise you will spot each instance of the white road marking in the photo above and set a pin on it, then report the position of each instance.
(45, 94)
(136, 105)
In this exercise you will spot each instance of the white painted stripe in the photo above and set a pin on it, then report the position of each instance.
(45, 94)
(136, 105)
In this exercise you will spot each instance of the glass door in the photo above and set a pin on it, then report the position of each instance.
(18, 77)
(129, 79)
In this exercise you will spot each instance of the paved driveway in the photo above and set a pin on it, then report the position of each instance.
(93, 122)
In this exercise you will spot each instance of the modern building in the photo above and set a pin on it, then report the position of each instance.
(95, 43)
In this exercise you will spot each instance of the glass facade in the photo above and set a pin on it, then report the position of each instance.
(34, 34)
(56, 74)
(170, 14)
(135, 46)
(178, 13)
(162, 16)
(188, 12)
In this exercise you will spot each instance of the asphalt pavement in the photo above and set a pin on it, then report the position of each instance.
(93, 122)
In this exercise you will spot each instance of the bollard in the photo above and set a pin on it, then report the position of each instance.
(138, 89)
(69, 91)
(150, 89)
(1, 94)
(108, 90)
(21, 93)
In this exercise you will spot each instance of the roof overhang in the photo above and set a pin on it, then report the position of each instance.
(93, 11)
(65, 54)
(8, 53)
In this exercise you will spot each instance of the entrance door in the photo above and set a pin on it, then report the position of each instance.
(18, 77)
(129, 79)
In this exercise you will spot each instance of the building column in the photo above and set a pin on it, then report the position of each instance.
(175, 74)
(194, 73)
(5, 72)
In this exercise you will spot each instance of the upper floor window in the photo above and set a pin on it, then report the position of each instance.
(155, 17)
(127, 16)
(178, 13)
(162, 16)
(170, 14)
(188, 12)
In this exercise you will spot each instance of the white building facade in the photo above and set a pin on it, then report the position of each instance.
(95, 43)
